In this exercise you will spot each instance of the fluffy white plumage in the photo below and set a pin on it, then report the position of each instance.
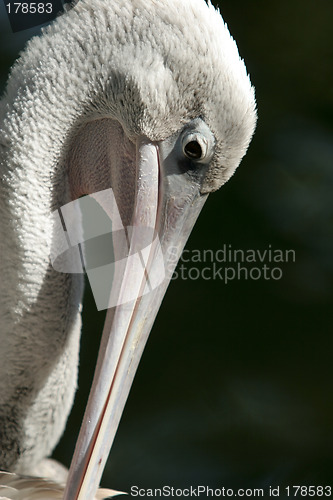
(151, 65)
(14, 487)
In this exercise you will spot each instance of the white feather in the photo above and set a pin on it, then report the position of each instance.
(151, 65)
(15, 487)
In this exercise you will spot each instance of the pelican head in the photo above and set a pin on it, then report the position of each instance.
(148, 98)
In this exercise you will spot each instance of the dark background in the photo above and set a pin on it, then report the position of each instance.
(235, 385)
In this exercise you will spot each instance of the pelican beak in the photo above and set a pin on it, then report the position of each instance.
(166, 206)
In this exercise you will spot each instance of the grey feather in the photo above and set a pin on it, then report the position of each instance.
(151, 65)
(14, 487)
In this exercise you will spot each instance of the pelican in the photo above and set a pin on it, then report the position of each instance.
(151, 100)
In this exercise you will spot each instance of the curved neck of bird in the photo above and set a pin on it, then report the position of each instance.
(56, 151)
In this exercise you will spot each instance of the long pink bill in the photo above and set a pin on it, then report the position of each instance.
(160, 227)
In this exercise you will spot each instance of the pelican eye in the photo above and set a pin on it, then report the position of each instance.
(195, 147)
(193, 150)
